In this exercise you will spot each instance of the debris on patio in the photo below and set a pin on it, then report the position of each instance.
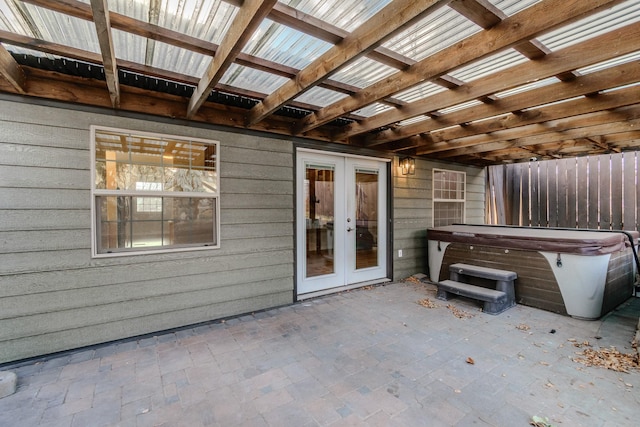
(427, 303)
(523, 327)
(460, 314)
(609, 358)
(537, 421)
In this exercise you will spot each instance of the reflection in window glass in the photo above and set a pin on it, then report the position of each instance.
(153, 192)
(448, 197)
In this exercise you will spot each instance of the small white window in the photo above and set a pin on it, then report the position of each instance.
(448, 197)
(153, 193)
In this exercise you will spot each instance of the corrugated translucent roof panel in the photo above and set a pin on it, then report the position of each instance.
(363, 72)
(414, 120)
(205, 19)
(438, 30)
(44, 24)
(320, 97)
(345, 14)
(459, 107)
(164, 56)
(621, 87)
(489, 65)
(420, 91)
(251, 79)
(284, 45)
(372, 110)
(511, 7)
(525, 88)
(635, 56)
(621, 15)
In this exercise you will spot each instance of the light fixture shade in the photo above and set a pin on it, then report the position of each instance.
(408, 166)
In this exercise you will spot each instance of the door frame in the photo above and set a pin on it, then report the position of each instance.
(389, 218)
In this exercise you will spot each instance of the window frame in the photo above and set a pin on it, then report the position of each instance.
(434, 200)
(97, 193)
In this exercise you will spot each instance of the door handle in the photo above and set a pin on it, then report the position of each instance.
(349, 229)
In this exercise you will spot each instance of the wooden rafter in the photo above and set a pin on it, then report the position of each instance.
(365, 38)
(11, 71)
(604, 47)
(545, 138)
(581, 111)
(552, 127)
(511, 31)
(246, 21)
(609, 78)
(100, 10)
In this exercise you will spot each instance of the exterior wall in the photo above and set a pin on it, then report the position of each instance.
(412, 211)
(54, 296)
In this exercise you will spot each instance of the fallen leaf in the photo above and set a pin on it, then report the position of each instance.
(609, 358)
(523, 327)
(470, 361)
(428, 303)
(460, 314)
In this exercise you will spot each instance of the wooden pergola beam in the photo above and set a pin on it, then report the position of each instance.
(245, 23)
(525, 25)
(100, 10)
(391, 19)
(608, 78)
(545, 138)
(556, 127)
(579, 111)
(11, 71)
(602, 48)
(486, 15)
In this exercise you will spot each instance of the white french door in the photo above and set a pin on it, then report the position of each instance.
(341, 220)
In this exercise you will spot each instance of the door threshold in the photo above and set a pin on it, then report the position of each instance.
(315, 294)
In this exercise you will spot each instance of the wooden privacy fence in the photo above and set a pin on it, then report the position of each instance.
(597, 192)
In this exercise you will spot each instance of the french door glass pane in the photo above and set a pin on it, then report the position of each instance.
(366, 219)
(319, 217)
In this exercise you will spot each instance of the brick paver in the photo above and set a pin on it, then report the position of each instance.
(371, 357)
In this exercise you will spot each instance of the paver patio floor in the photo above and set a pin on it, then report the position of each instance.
(369, 357)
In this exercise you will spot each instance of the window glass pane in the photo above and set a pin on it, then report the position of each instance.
(166, 191)
(319, 205)
(366, 219)
(129, 222)
(448, 197)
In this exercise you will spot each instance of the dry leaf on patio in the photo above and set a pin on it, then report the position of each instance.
(523, 327)
(470, 361)
(428, 303)
(413, 280)
(460, 314)
(609, 358)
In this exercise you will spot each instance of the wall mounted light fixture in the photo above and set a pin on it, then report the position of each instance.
(408, 166)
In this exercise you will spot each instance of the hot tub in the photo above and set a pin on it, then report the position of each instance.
(580, 273)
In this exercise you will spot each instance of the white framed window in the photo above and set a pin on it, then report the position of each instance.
(153, 192)
(449, 188)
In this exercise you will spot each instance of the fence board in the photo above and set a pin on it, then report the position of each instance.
(629, 192)
(543, 193)
(582, 192)
(525, 190)
(597, 192)
(571, 217)
(534, 198)
(512, 190)
(615, 199)
(593, 201)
